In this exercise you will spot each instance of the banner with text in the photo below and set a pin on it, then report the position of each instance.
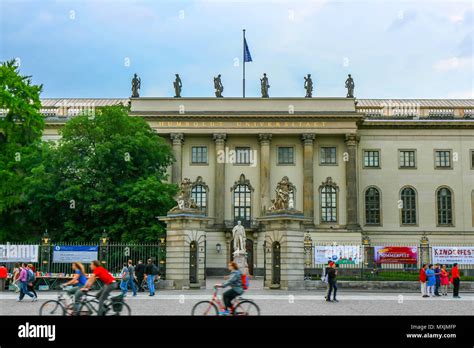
(452, 254)
(74, 253)
(19, 253)
(396, 254)
(340, 254)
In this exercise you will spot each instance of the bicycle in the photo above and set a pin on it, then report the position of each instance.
(89, 305)
(240, 306)
(61, 306)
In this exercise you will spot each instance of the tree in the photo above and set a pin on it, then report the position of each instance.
(106, 172)
(21, 126)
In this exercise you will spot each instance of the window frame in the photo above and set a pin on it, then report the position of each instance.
(450, 159)
(451, 192)
(379, 206)
(278, 163)
(379, 151)
(236, 156)
(471, 158)
(415, 159)
(417, 217)
(333, 186)
(205, 190)
(192, 163)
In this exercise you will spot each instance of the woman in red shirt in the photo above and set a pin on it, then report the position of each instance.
(455, 280)
(106, 278)
(424, 292)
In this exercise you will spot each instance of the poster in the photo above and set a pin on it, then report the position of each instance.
(451, 254)
(19, 253)
(396, 254)
(74, 253)
(340, 254)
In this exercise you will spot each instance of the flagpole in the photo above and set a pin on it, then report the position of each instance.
(243, 59)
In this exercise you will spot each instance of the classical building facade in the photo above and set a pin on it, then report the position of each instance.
(392, 171)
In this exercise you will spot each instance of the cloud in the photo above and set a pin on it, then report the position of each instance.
(453, 64)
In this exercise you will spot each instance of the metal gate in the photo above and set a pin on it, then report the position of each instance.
(276, 263)
(193, 262)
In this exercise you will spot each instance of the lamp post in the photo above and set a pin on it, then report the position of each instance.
(45, 251)
(366, 246)
(104, 241)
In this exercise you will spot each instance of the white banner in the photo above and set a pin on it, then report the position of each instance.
(451, 254)
(340, 254)
(19, 253)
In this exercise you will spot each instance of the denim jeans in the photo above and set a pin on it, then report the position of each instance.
(332, 286)
(131, 283)
(24, 290)
(150, 280)
(124, 287)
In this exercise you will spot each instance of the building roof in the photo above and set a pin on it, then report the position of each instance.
(424, 103)
(58, 102)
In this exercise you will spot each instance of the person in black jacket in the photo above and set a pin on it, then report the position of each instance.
(332, 282)
(151, 271)
(140, 274)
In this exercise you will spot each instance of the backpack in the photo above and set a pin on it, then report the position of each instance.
(155, 270)
(31, 277)
(245, 282)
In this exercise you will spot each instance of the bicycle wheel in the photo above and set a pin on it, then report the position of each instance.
(85, 310)
(125, 311)
(204, 308)
(246, 307)
(52, 307)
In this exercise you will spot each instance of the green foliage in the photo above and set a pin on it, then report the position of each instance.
(106, 172)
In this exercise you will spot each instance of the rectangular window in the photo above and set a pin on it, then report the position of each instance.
(372, 159)
(407, 158)
(286, 155)
(472, 159)
(328, 155)
(242, 155)
(443, 159)
(199, 155)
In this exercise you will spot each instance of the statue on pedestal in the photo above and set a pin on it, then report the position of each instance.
(283, 200)
(177, 84)
(308, 85)
(350, 86)
(185, 202)
(238, 233)
(218, 86)
(136, 84)
(264, 85)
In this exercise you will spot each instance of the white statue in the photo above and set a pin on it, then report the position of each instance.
(238, 233)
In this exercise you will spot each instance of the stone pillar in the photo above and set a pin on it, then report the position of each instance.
(182, 229)
(178, 139)
(219, 192)
(284, 233)
(351, 182)
(308, 174)
(264, 172)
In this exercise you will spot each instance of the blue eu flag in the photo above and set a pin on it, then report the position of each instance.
(247, 56)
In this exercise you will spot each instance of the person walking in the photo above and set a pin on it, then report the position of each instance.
(140, 274)
(131, 281)
(23, 283)
(437, 272)
(423, 281)
(332, 281)
(125, 274)
(430, 281)
(3, 276)
(236, 288)
(455, 280)
(324, 279)
(16, 277)
(151, 271)
(444, 278)
(32, 279)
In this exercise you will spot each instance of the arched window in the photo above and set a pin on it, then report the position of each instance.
(328, 199)
(372, 206)
(242, 201)
(408, 211)
(444, 202)
(199, 194)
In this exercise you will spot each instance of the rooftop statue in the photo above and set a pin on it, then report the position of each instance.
(136, 84)
(264, 85)
(350, 86)
(177, 84)
(308, 85)
(218, 86)
(283, 200)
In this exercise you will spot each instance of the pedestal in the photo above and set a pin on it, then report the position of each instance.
(186, 248)
(240, 257)
(284, 250)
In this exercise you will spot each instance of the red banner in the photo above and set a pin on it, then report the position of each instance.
(396, 254)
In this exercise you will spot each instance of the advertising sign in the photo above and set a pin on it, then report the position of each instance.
(396, 254)
(340, 254)
(451, 254)
(74, 253)
(18, 253)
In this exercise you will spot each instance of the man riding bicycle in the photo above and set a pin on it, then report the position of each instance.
(106, 278)
(235, 283)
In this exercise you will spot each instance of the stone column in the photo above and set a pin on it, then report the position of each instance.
(264, 172)
(308, 174)
(351, 182)
(219, 192)
(178, 139)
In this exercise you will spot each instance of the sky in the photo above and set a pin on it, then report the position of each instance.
(92, 48)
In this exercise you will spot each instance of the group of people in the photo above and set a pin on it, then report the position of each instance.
(23, 279)
(133, 277)
(434, 278)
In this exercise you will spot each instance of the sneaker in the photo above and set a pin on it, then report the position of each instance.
(34, 299)
(18, 300)
(335, 300)
(327, 300)
(226, 312)
(456, 296)
(425, 296)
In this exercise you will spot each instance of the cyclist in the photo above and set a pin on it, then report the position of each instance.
(78, 281)
(99, 272)
(235, 283)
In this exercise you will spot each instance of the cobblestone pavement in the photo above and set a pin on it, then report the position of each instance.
(271, 302)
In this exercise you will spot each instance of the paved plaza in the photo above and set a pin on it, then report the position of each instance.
(276, 302)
